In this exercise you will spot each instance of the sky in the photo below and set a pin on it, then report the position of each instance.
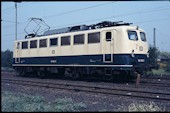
(145, 14)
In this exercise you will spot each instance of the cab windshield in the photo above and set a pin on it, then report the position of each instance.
(132, 35)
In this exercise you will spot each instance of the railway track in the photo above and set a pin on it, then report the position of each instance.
(144, 83)
(132, 93)
(156, 81)
(167, 77)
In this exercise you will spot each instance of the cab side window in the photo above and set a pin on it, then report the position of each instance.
(18, 45)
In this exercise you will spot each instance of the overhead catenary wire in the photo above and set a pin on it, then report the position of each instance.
(13, 34)
(133, 13)
(153, 20)
(12, 8)
(9, 21)
(121, 15)
(134, 22)
(8, 8)
(137, 12)
(76, 10)
(73, 11)
(111, 17)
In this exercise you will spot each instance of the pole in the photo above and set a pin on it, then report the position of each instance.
(16, 21)
(137, 80)
(154, 37)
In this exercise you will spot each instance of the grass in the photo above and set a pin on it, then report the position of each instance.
(144, 107)
(160, 71)
(17, 102)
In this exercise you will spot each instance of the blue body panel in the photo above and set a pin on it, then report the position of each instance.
(118, 59)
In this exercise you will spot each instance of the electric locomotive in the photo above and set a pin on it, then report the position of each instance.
(105, 48)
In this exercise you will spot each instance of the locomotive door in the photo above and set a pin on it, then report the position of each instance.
(18, 47)
(108, 46)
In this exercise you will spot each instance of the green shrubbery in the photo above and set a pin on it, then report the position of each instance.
(166, 55)
(153, 56)
(6, 58)
(164, 64)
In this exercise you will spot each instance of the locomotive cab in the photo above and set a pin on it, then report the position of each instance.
(126, 48)
(138, 47)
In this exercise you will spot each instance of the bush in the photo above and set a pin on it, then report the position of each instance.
(6, 58)
(167, 68)
(153, 56)
(166, 60)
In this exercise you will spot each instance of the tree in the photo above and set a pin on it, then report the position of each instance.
(167, 68)
(166, 57)
(153, 56)
(6, 58)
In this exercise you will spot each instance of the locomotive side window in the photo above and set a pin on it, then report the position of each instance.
(108, 36)
(54, 42)
(132, 35)
(79, 39)
(43, 43)
(18, 45)
(33, 44)
(143, 37)
(65, 40)
(94, 37)
(25, 45)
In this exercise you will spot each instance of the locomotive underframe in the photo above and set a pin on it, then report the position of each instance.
(107, 73)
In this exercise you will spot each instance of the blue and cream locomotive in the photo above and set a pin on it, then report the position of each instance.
(105, 48)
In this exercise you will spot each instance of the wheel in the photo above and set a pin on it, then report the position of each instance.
(75, 75)
(108, 78)
(41, 74)
(21, 72)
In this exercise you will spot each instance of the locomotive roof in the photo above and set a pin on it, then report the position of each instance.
(85, 31)
(85, 27)
(103, 24)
